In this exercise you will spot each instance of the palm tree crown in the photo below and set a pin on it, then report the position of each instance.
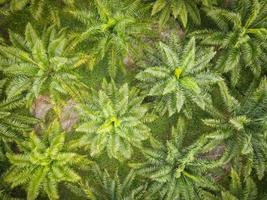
(115, 29)
(114, 119)
(178, 77)
(240, 37)
(41, 64)
(43, 163)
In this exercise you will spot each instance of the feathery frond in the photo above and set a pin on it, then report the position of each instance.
(45, 11)
(12, 123)
(241, 189)
(179, 9)
(106, 187)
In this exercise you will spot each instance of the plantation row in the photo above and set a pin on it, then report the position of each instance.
(133, 100)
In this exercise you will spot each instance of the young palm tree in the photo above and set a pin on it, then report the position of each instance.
(179, 77)
(181, 9)
(240, 37)
(44, 162)
(38, 65)
(114, 120)
(242, 127)
(176, 169)
(114, 29)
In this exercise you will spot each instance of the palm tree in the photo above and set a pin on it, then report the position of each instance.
(240, 37)
(114, 120)
(44, 162)
(177, 170)
(241, 127)
(114, 30)
(38, 65)
(178, 77)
